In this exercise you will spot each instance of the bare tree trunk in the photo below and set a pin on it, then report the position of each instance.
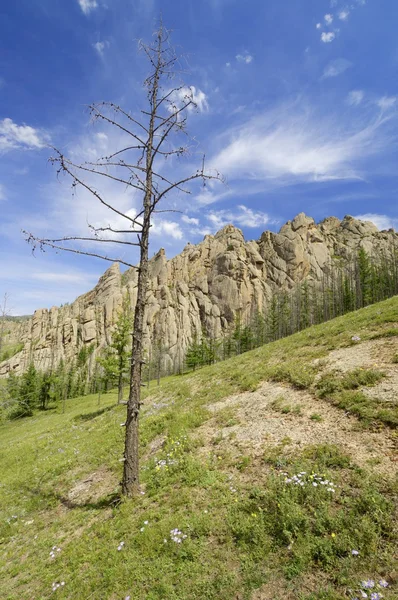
(167, 114)
(131, 482)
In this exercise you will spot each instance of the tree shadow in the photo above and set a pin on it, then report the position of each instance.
(110, 501)
(93, 415)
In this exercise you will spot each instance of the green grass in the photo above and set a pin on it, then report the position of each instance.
(10, 351)
(245, 525)
(343, 391)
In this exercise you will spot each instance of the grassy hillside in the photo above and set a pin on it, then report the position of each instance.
(220, 517)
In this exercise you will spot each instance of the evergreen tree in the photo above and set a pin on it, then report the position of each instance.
(121, 338)
(193, 357)
(28, 393)
(44, 394)
(364, 278)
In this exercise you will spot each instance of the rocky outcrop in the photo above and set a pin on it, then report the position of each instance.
(205, 286)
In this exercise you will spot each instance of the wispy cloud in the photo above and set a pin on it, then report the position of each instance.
(328, 19)
(387, 102)
(190, 220)
(2, 192)
(336, 67)
(100, 47)
(328, 37)
(355, 97)
(57, 277)
(189, 93)
(35, 282)
(294, 143)
(381, 221)
(240, 215)
(13, 136)
(88, 6)
(245, 57)
(344, 14)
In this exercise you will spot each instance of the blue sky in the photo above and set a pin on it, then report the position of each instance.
(297, 107)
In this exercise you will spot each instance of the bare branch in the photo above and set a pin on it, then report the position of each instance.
(199, 175)
(118, 108)
(87, 239)
(76, 180)
(99, 115)
(37, 242)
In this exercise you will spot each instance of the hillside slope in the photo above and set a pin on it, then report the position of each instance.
(275, 465)
(206, 287)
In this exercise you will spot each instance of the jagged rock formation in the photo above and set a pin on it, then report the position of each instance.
(205, 286)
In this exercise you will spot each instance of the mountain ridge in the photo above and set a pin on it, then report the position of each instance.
(206, 286)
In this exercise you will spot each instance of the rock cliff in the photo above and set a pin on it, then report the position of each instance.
(205, 286)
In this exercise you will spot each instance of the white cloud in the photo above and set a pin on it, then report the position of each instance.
(381, 221)
(209, 195)
(318, 25)
(328, 37)
(245, 57)
(168, 228)
(355, 97)
(293, 143)
(88, 5)
(188, 93)
(241, 215)
(328, 19)
(100, 47)
(336, 67)
(2, 192)
(344, 14)
(228, 64)
(387, 102)
(190, 220)
(14, 136)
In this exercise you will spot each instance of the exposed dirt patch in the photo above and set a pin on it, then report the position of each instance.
(372, 354)
(375, 354)
(92, 488)
(262, 424)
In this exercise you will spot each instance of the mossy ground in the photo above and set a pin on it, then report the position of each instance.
(247, 529)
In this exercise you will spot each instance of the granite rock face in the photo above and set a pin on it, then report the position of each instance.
(206, 286)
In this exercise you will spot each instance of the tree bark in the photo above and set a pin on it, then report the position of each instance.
(131, 479)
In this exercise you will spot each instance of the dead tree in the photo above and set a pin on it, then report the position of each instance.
(151, 138)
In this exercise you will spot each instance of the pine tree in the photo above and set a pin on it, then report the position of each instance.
(121, 338)
(193, 357)
(364, 278)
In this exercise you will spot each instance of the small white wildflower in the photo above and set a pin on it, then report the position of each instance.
(354, 552)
